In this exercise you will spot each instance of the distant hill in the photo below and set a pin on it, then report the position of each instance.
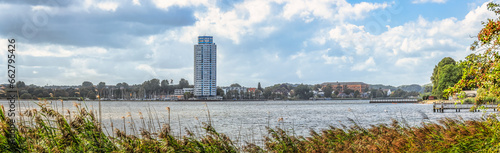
(380, 86)
(407, 88)
(413, 87)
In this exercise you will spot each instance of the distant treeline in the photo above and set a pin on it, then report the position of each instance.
(148, 90)
(157, 89)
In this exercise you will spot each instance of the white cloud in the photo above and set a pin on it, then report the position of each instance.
(108, 6)
(232, 24)
(429, 1)
(276, 41)
(299, 74)
(415, 37)
(407, 62)
(368, 65)
(136, 2)
(165, 4)
(358, 11)
(80, 69)
(324, 9)
(147, 68)
(61, 51)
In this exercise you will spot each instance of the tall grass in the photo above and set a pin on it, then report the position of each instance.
(46, 130)
(449, 135)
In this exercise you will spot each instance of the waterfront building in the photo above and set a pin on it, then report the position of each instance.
(356, 86)
(205, 68)
(235, 89)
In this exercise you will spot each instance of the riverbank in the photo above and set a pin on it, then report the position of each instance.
(430, 101)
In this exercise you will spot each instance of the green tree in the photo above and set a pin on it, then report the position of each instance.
(220, 92)
(482, 70)
(348, 91)
(442, 63)
(267, 93)
(258, 94)
(398, 93)
(20, 84)
(356, 94)
(188, 95)
(183, 83)
(87, 84)
(303, 91)
(100, 88)
(26, 96)
(446, 74)
(91, 95)
(380, 93)
(427, 88)
(101, 85)
(235, 85)
(164, 85)
(328, 91)
(316, 87)
(60, 93)
(449, 75)
(155, 85)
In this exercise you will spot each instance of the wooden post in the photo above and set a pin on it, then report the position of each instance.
(434, 106)
(442, 107)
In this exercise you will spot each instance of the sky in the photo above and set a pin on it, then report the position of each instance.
(268, 41)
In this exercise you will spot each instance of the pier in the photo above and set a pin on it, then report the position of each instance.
(457, 106)
(394, 101)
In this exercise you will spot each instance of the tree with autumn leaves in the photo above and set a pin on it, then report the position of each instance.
(482, 68)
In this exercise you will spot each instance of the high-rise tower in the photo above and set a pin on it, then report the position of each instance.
(205, 67)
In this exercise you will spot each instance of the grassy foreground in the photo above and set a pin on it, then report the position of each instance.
(46, 130)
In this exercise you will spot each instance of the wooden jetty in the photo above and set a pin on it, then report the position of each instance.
(394, 101)
(457, 106)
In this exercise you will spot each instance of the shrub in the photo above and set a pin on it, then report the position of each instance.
(25, 96)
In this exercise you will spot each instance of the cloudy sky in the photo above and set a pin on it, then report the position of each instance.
(268, 41)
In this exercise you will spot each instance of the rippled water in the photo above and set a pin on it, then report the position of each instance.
(246, 120)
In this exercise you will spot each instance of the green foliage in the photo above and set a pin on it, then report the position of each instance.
(20, 84)
(46, 130)
(446, 136)
(188, 95)
(380, 86)
(482, 70)
(410, 88)
(446, 74)
(87, 84)
(427, 88)
(183, 83)
(303, 91)
(469, 101)
(220, 92)
(356, 94)
(235, 85)
(377, 93)
(328, 91)
(26, 96)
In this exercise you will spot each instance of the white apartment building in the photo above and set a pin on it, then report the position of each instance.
(205, 67)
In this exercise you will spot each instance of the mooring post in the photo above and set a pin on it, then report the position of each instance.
(434, 107)
(442, 107)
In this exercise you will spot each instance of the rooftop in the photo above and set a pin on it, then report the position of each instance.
(345, 83)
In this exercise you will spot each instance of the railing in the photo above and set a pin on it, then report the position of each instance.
(457, 106)
(394, 101)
